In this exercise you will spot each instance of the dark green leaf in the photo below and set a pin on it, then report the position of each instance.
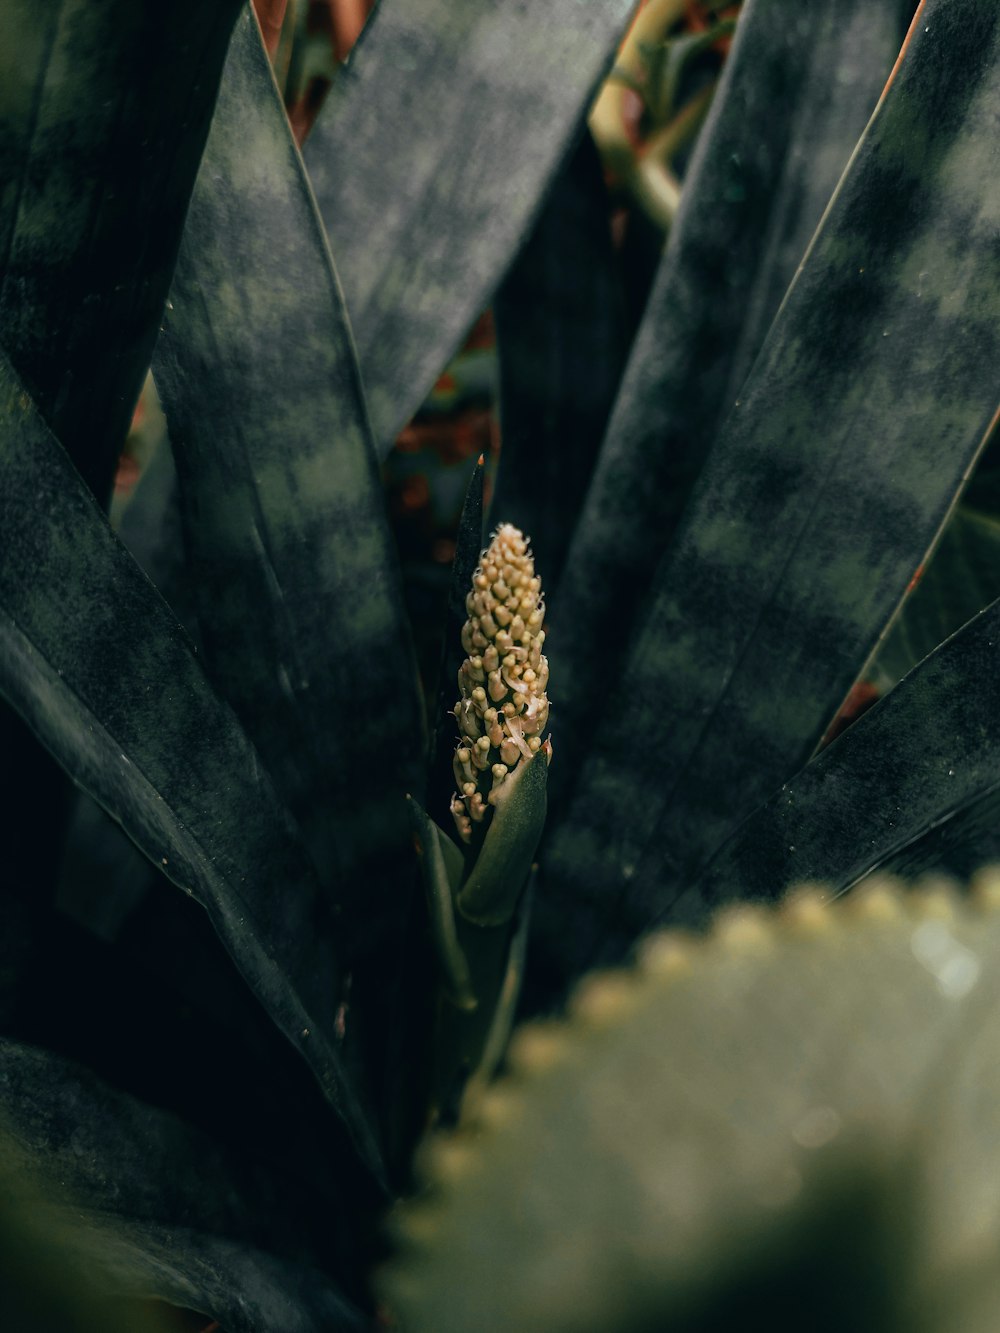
(962, 577)
(95, 662)
(561, 335)
(441, 865)
(490, 894)
(105, 109)
(164, 1015)
(155, 1209)
(429, 160)
(905, 787)
(827, 486)
(795, 94)
(299, 598)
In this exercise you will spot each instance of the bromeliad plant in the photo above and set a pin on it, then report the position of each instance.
(732, 479)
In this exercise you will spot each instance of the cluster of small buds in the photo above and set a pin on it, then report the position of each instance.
(503, 711)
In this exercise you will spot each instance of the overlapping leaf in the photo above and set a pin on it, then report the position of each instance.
(154, 1208)
(299, 600)
(105, 112)
(104, 109)
(94, 661)
(429, 160)
(829, 482)
(794, 97)
(913, 785)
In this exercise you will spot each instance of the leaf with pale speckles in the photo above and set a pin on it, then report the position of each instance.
(794, 96)
(104, 109)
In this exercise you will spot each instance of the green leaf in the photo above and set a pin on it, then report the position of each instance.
(300, 604)
(96, 664)
(961, 578)
(429, 160)
(912, 780)
(562, 341)
(493, 887)
(789, 1125)
(828, 484)
(793, 98)
(441, 865)
(104, 110)
(148, 1207)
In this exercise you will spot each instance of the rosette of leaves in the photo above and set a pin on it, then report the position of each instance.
(225, 1031)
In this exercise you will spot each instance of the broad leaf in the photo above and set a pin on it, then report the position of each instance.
(105, 109)
(299, 601)
(561, 335)
(170, 1021)
(154, 1208)
(793, 98)
(826, 488)
(95, 662)
(430, 159)
(906, 786)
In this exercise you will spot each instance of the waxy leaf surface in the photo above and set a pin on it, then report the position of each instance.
(829, 482)
(97, 665)
(431, 157)
(299, 601)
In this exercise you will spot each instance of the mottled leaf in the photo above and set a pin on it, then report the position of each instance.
(906, 786)
(93, 659)
(795, 94)
(829, 482)
(299, 599)
(429, 160)
(962, 577)
(105, 109)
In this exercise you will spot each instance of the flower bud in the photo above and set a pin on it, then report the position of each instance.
(504, 708)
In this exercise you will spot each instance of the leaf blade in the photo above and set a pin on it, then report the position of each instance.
(165, 1213)
(300, 605)
(828, 485)
(116, 695)
(422, 240)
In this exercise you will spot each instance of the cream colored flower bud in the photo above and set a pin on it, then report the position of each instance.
(503, 709)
